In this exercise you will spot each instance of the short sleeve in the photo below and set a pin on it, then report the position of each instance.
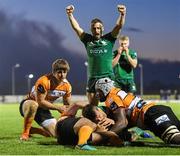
(133, 54)
(42, 85)
(86, 38)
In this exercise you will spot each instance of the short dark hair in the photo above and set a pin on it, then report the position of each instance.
(88, 112)
(60, 64)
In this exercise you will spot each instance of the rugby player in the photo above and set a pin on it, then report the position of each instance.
(80, 131)
(99, 48)
(125, 60)
(38, 103)
(129, 111)
(124, 63)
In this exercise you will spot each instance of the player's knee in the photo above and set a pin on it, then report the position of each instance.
(171, 135)
(30, 108)
(50, 125)
(33, 107)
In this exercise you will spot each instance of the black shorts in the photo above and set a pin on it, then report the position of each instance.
(41, 114)
(158, 118)
(65, 131)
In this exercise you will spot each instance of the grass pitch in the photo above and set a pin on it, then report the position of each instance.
(11, 126)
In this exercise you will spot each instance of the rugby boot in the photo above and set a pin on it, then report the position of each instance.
(85, 147)
(142, 133)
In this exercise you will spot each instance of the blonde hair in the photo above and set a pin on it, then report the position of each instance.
(123, 38)
(60, 64)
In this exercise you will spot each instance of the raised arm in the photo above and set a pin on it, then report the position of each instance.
(75, 25)
(120, 21)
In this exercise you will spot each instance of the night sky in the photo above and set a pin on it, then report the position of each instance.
(35, 33)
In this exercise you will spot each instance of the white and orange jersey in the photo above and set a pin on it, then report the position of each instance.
(53, 91)
(135, 107)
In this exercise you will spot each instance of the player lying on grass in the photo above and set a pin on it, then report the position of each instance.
(128, 110)
(125, 135)
(37, 105)
(80, 131)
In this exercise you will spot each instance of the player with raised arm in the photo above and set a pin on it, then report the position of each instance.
(99, 48)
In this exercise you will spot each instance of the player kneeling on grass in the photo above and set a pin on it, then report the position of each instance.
(40, 100)
(129, 110)
(80, 131)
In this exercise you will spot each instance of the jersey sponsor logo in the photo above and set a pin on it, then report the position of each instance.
(97, 47)
(162, 119)
(56, 93)
(98, 51)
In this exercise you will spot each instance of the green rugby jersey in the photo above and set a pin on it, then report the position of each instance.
(99, 54)
(123, 70)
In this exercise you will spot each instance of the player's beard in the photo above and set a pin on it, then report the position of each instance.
(97, 36)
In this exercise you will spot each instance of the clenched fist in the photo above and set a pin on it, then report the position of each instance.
(122, 9)
(69, 9)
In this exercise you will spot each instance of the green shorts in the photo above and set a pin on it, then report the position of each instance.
(127, 85)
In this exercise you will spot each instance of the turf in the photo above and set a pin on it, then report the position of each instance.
(11, 126)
